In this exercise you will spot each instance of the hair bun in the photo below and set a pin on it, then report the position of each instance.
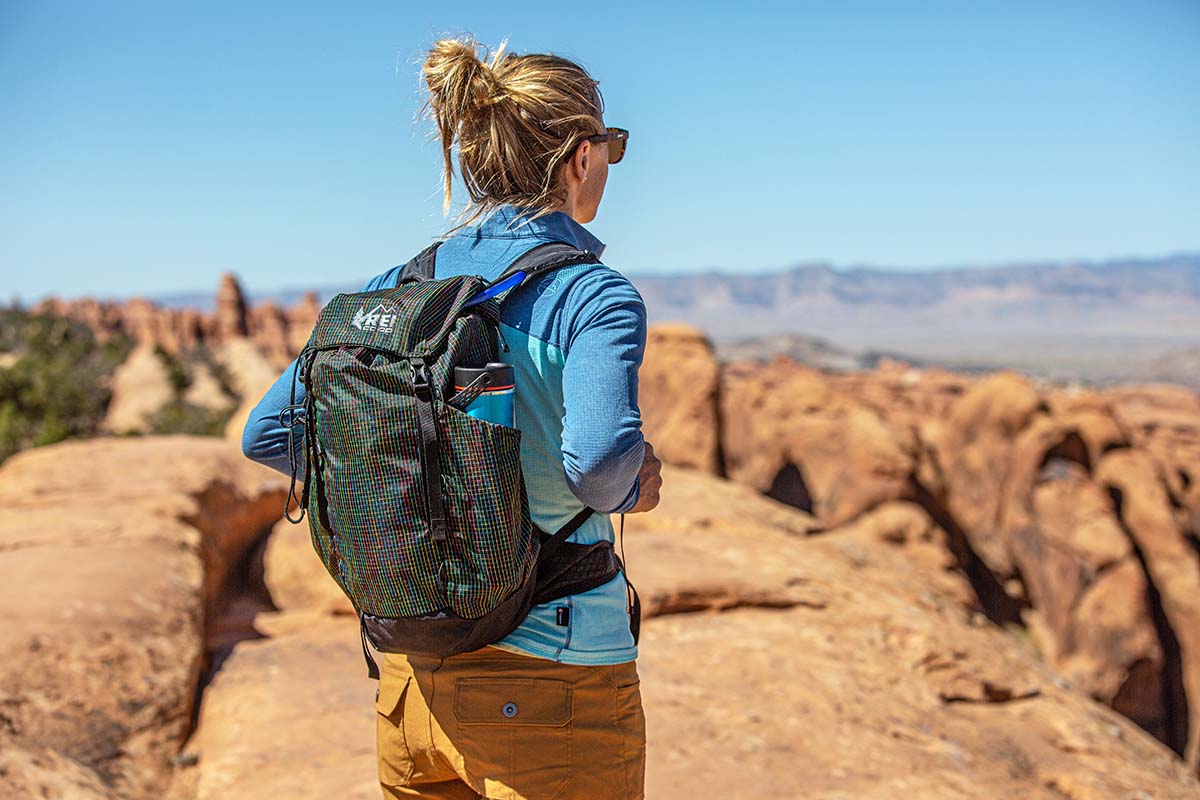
(458, 79)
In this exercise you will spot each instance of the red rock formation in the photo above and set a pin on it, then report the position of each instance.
(786, 431)
(762, 648)
(300, 321)
(1075, 514)
(270, 325)
(280, 333)
(111, 554)
(678, 397)
(1005, 474)
(1173, 567)
(230, 318)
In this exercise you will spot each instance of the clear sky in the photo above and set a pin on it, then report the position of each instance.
(145, 147)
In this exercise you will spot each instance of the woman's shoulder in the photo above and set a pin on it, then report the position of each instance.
(598, 295)
(596, 287)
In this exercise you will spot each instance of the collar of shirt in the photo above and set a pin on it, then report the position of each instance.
(507, 223)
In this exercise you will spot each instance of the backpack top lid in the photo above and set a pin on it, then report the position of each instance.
(412, 319)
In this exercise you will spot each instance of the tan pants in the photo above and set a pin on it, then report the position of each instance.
(494, 724)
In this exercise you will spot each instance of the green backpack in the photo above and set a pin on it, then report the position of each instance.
(419, 511)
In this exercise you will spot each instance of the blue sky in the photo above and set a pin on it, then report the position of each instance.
(147, 147)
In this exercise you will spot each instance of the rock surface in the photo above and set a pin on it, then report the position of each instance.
(1069, 517)
(251, 374)
(677, 392)
(288, 716)
(786, 431)
(295, 576)
(772, 660)
(108, 551)
(140, 387)
(1173, 568)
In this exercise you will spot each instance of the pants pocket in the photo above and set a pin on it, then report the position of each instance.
(514, 735)
(631, 720)
(395, 761)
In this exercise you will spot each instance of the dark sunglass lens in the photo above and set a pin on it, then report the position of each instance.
(616, 150)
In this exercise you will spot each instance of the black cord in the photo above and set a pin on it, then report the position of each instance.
(621, 539)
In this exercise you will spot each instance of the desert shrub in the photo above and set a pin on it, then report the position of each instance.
(179, 372)
(180, 416)
(55, 378)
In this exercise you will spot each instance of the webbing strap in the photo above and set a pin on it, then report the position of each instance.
(541, 259)
(551, 544)
(372, 667)
(635, 607)
(421, 266)
(430, 454)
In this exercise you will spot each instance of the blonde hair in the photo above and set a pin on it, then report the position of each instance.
(515, 119)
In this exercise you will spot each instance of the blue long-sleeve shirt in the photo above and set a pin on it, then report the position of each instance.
(576, 338)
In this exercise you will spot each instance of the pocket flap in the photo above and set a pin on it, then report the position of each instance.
(513, 701)
(391, 692)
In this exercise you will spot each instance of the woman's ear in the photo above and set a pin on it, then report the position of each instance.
(581, 161)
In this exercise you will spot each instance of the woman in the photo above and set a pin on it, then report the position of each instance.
(554, 708)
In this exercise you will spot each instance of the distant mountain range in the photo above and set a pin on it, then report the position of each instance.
(1125, 319)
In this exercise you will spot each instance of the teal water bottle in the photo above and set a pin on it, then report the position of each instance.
(495, 402)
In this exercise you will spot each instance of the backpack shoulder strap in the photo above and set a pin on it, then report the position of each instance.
(537, 260)
(421, 268)
(545, 257)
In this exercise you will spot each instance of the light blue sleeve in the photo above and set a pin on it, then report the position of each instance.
(265, 439)
(602, 442)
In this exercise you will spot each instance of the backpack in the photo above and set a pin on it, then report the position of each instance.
(419, 511)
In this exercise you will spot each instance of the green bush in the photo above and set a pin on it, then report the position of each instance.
(55, 378)
(180, 416)
(179, 373)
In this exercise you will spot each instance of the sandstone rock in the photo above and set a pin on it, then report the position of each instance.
(907, 527)
(106, 548)
(763, 648)
(140, 387)
(973, 450)
(1088, 594)
(251, 374)
(281, 333)
(295, 576)
(870, 663)
(787, 433)
(205, 390)
(1173, 567)
(1165, 423)
(46, 774)
(291, 716)
(230, 317)
(1092, 416)
(270, 326)
(729, 537)
(302, 317)
(677, 387)
(904, 396)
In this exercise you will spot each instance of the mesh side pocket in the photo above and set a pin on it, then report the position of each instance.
(491, 536)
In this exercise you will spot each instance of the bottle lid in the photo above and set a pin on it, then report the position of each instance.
(499, 374)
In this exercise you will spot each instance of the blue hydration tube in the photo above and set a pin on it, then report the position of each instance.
(496, 288)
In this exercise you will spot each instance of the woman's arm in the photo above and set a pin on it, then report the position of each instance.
(264, 439)
(602, 443)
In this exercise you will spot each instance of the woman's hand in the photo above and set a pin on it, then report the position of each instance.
(650, 480)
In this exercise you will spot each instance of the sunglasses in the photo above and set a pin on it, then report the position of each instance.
(617, 139)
